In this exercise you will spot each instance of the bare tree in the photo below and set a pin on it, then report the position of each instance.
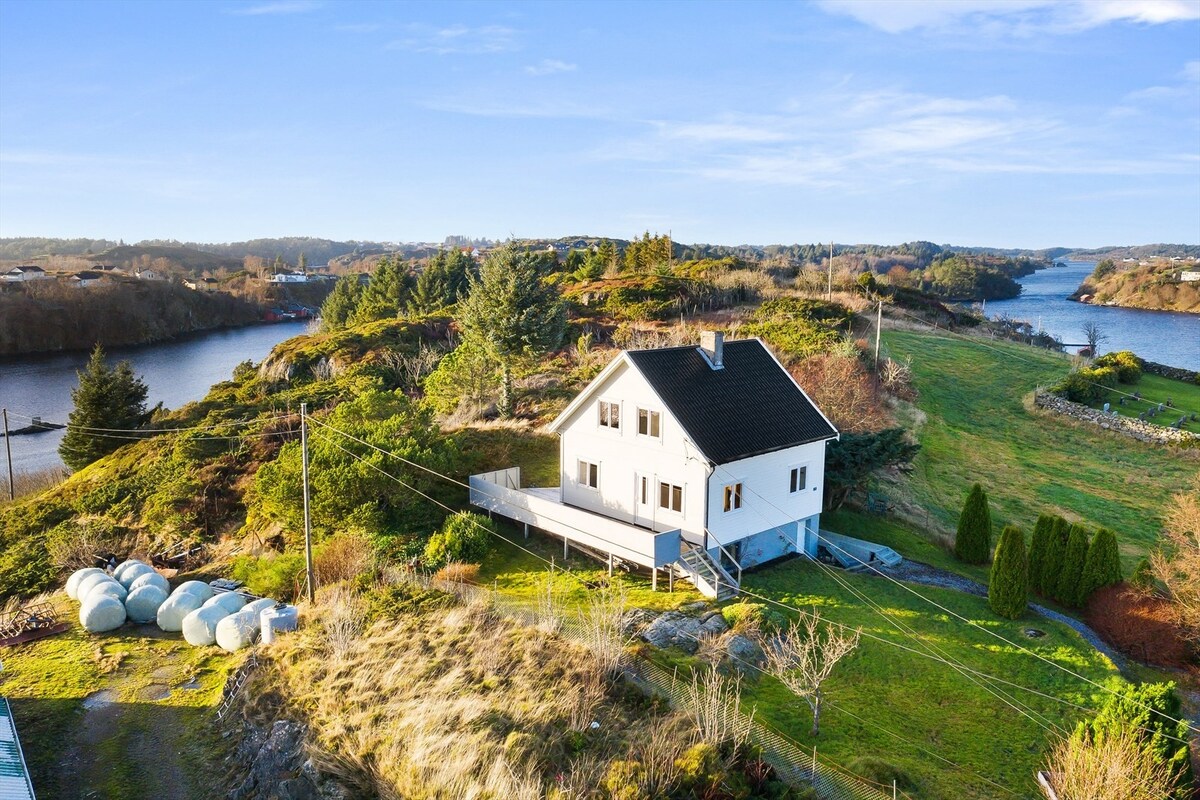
(714, 704)
(602, 625)
(1095, 336)
(803, 658)
(1117, 766)
(1177, 564)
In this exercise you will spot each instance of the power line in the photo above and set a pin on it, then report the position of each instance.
(70, 425)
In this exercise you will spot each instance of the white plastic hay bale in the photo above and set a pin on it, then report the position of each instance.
(101, 613)
(108, 587)
(151, 579)
(232, 602)
(255, 606)
(88, 582)
(200, 626)
(238, 630)
(135, 571)
(143, 603)
(124, 565)
(77, 576)
(171, 613)
(200, 589)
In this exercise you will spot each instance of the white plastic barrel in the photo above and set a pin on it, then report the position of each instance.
(277, 620)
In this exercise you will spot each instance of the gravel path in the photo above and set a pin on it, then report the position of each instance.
(916, 572)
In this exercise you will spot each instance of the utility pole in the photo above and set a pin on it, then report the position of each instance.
(829, 293)
(12, 495)
(878, 330)
(308, 563)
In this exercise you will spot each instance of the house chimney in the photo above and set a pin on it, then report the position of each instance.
(713, 345)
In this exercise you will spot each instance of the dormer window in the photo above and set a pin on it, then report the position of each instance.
(649, 423)
(610, 415)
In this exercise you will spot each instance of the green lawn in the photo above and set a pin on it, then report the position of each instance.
(974, 426)
(1156, 389)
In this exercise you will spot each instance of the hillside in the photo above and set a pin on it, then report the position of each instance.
(1155, 286)
(185, 259)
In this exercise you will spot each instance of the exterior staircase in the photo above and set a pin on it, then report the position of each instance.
(710, 578)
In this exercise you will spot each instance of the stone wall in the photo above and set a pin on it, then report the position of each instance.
(1177, 373)
(1134, 428)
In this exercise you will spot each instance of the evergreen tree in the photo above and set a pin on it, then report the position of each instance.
(1008, 589)
(513, 314)
(340, 305)
(385, 293)
(974, 528)
(1103, 564)
(1056, 550)
(443, 282)
(1069, 580)
(107, 397)
(1039, 547)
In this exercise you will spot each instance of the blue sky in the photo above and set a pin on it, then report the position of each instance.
(1020, 123)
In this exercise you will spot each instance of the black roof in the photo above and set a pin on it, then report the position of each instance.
(747, 408)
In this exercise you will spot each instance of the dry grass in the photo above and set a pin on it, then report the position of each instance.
(341, 613)
(714, 703)
(457, 572)
(1115, 767)
(32, 483)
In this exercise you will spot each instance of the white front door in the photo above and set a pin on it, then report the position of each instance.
(643, 500)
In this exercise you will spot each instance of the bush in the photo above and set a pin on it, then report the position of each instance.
(1039, 550)
(1070, 579)
(1008, 589)
(1103, 564)
(464, 537)
(1055, 552)
(1127, 365)
(1089, 385)
(752, 617)
(624, 780)
(973, 540)
(344, 557)
(458, 572)
(276, 575)
(1143, 575)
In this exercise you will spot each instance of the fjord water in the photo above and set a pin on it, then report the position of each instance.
(1164, 336)
(176, 373)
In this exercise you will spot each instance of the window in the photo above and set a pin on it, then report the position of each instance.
(645, 491)
(648, 422)
(589, 474)
(733, 497)
(799, 479)
(610, 415)
(670, 497)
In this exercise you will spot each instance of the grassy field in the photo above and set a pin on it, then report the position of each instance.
(973, 426)
(116, 715)
(1156, 389)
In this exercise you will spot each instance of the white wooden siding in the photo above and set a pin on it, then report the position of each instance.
(767, 500)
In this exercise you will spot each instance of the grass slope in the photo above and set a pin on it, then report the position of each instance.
(977, 428)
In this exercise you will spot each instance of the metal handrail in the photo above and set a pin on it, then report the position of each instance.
(728, 555)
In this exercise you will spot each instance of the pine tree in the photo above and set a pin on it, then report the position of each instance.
(1103, 564)
(1008, 589)
(1056, 550)
(107, 397)
(513, 314)
(1069, 580)
(1039, 547)
(340, 305)
(385, 293)
(974, 528)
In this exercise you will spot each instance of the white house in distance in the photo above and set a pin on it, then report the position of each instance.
(289, 277)
(697, 460)
(25, 273)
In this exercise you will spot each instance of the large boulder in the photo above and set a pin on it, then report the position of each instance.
(143, 603)
(200, 626)
(181, 603)
(77, 576)
(135, 571)
(151, 579)
(674, 629)
(101, 613)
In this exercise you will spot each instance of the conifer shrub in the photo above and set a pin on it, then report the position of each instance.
(1039, 549)
(1008, 589)
(973, 540)
(1070, 580)
(1052, 563)
(464, 537)
(1143, 575)
(1103, 564)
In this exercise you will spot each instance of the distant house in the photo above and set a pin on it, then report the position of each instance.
(149, 275)
(25, 273)
(696, 460)
(85, 278)
(1189, 275)
(202, 284)
(289, 277)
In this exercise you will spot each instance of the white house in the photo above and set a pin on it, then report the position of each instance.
(1188, 275)
(698, 460)
(149, 275)
(85, 278)
(25, 273)
(289, 277)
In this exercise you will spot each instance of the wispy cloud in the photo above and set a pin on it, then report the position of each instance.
(279, 7)
(1011, 17)
(549, 66)
(357, 27)
(458, 39)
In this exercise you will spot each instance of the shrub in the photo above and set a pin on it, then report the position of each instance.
(1067, 591)
(973, 540)
(1089, 385)
(464, 537)
(1056, 550)
(752, 617)
(1102, 566)
(458, 572)
(344, 557)
(624, 781)
(1143, 575)
(1008, 589)
(274, 575)
(1039, 547)
(1127, 365)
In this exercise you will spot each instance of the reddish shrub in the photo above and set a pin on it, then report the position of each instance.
(1138, 625)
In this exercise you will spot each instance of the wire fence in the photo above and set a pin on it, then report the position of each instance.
(792, 764)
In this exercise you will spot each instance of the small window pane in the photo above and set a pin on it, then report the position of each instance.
(677, 498)
(664, 495)
(803, 482)
(594, 475)
(582, 477)
(799, 479)
(654, 423)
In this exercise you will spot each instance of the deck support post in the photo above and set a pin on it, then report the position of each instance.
(654, 578)
(526, 530)
(670, 579)
(610, 564)
(566, 544)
